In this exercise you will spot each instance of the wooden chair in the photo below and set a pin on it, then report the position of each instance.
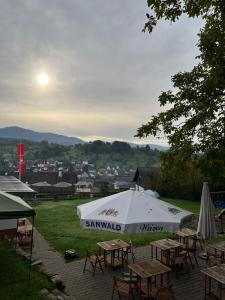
(165, 293)
(95, 261)
(213, 258)
(192, 251)
(123, 288)
(175, 259)
(127, 251)
(158, 293)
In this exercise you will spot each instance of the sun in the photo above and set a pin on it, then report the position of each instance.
(43, 79)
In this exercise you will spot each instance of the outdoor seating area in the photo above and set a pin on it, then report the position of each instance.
(154, 275)
(147, 278)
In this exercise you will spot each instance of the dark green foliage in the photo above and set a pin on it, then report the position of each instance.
(196, 117)
(194, 123)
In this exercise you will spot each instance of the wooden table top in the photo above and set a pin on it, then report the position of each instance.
(186, 232)
(219, 246)
(148, 268)
(113, 245)
(24, 228)
(166, 244)
(216, 272)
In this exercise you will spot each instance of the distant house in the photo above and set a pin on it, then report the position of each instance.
(84, 187)
(123, 183)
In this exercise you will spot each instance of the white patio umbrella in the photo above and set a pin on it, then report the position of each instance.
(132, 211)
(206, 223)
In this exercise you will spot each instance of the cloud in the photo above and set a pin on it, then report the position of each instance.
(105, 74)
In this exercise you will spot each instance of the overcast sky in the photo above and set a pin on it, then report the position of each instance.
(105, 75)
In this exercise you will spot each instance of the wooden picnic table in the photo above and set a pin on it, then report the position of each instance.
(111, 247)
(218, 249)
(216, 273)
(165, 245)
(148, 269)
(185, 234)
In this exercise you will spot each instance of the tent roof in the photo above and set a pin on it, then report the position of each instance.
(11, 184)
(13, 207)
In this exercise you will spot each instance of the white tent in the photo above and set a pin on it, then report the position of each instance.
(13, 207)
(132, 211)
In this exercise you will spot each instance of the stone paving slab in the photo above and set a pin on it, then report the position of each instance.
(83, 286)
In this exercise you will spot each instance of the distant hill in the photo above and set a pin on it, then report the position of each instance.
(26, 134)
(15, 132)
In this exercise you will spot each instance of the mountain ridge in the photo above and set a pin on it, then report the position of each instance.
(16, 132)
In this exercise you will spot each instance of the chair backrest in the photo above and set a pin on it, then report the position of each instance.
(130, 244)
(119, 282)
(165, 293)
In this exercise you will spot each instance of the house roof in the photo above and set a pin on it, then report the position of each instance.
(49, 177)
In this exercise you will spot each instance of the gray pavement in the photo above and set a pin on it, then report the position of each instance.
(83, 286)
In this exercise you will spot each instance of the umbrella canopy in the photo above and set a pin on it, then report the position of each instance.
(13, 207)
(206, 224)
(132, 211)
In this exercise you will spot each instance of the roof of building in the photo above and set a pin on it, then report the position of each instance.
(49, 177)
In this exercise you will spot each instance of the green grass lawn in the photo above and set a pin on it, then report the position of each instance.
(14, 277)
(59, 224)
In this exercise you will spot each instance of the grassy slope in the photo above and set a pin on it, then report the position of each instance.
(58, 222)
(14, 275)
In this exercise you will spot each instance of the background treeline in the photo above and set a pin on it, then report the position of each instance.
(172, 174)
(99, 153)
(182, 176)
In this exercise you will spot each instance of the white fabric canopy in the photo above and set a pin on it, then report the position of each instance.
(132, 211)
(13, 207)
(206, 224)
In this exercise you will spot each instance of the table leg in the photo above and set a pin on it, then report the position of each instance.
(220, 288)
(210, 282)
(105, 257)
(161, 279)
(205, 286)
(139, 296)
(112, 258)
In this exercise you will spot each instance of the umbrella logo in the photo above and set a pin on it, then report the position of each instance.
(109, 212)
(174, 210)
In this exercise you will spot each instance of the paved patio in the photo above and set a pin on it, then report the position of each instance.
(85, 287)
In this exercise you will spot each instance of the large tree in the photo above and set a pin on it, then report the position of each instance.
(195, 119)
